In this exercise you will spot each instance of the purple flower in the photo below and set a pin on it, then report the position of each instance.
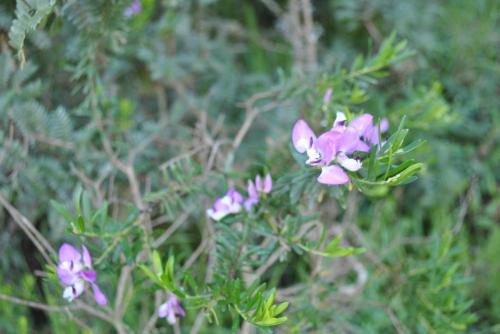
(230, 203)
(328, 96)
(253, 196)
(254, 190)
(336, 145)
(265, 187)
(133, 9)
(171, 310)
(75, 271)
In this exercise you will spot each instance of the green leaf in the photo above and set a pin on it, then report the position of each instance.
(62, 211)
(158, 268)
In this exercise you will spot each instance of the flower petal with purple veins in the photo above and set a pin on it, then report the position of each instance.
(302, 136)
(69, 253)
(99, 296)
(333, 175)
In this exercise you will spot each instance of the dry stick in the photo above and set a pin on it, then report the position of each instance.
(36, 237)
(294, 33)
(196, 254)
(171, 229)
(273, 6)
(54, 308)
(120, 291)
(37, 305)
(309, 34)
(152, 320)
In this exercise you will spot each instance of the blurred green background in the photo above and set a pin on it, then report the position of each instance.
(435, 244)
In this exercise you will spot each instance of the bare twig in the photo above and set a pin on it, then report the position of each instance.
(36, 237)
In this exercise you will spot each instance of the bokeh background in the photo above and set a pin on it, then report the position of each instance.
(433, 246)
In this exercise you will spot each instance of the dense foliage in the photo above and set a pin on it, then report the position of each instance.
(121, 122)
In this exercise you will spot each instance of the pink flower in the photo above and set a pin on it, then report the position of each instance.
(75, 271)
(328, 95)
(171, 310)
(228, 204)
(336, 145)
(133, 9)
(255, 190)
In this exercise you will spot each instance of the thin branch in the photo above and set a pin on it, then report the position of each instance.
(36, 237)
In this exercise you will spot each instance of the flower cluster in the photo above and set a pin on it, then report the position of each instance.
(171, 309)
(75, 271)
(133, 9)
(233, 201)
(333, 150)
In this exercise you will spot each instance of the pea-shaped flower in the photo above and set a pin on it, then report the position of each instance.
(171, 310)
(75, 271)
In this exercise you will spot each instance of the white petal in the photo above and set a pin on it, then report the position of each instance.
(352, 165)
(339, 119)
(68, 294)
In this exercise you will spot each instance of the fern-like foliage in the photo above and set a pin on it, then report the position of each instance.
(29, 14)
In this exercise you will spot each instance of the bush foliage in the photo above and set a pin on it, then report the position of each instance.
(120, 126)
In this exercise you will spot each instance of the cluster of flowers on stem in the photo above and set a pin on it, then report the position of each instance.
(333, 150)
(233, 202)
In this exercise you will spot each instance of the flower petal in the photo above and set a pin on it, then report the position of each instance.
(349, 141)
(250, 202)
(333, 175)
(217, 214)
(328, 95)
(258, 183)
(384, 125)
(252, 192)
(302, 136)
(163, 310)
(268, 184)
(171, 319)
(234, 195)
(89, 276)
(339, 120)
(350, 164)
(361, 123)
(87, 259)
(99, 296)
(66, 276)
(323, 150)
(69, 253)
(179, 310)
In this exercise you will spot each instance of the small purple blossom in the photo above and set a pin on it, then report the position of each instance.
(75, 271)
(229, 203)
(336, 145)
(171, 309)
(254, 190)
(328, 96)
(133, 9)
